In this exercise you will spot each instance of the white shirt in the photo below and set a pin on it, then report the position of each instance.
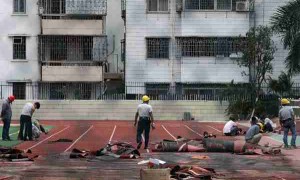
(267, 120)
(27, 109)
(144, 110)
(228, 126)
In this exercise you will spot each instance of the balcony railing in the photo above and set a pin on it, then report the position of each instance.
(72, 50)
(72, 7)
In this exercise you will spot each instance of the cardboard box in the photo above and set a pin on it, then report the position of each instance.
(155, 174)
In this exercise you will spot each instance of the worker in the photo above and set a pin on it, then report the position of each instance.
(253, 134)
(25, 120)
(287, 121)
(231, 128)
(6, 114)
(41, 128)
(261, 126)
(145, 114)
(269, 125)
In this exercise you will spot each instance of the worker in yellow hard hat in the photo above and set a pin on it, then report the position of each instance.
(146, 120)
(287, 121)
(261, 127)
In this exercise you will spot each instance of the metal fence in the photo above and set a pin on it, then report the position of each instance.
(134, 91)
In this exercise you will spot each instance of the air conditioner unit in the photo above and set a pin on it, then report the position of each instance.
(237, 55)
(220, 56)
(179, 6)
(242, 6)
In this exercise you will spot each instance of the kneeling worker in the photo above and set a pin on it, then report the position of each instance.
(144, 112)
(231, 128)
(253, 134)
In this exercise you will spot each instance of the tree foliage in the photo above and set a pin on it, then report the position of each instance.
(286, 22)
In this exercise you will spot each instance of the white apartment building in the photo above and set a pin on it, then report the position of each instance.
(59, 49)
(184, 42)
(19, 63)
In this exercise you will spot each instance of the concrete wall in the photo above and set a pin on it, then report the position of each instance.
(123, 110)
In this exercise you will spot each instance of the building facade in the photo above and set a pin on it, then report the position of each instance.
(53, 49)
(180, 43)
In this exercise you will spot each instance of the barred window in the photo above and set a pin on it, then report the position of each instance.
(19, 90)
(208, 4)
(19, 47)
(157, 88)
(19, 6)
(224, 4)
(208, 46)
(157, 47)
(158, 5)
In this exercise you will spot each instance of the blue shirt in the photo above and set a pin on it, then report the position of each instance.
(252, 131)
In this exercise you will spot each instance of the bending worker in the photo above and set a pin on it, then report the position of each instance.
(287, 121)
(144, 112)
(253, 134)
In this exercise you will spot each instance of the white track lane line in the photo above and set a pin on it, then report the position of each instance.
(193, 131)
(169, 132)
(48, 138)
(12, 134)
(112, 134)
(144, 142)
(79, 138)
(213, 128)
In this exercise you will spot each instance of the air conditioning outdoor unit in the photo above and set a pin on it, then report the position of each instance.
(179, 6)
(242, 6)
(237, 55)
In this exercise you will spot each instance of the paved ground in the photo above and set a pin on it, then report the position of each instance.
(53, 162)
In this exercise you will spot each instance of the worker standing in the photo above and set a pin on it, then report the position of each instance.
(287, 121)
(6, 114)
(145, 114)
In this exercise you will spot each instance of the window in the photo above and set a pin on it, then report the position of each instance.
(158, 5)
(209, 46)
(157, 88)
(208, 4)
(19, 47)
(19, 90)
(19, 6)
(157, 47)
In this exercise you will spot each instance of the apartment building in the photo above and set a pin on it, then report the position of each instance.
(190, 43)
(19, 64)
(54, 49)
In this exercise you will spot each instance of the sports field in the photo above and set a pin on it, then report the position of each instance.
(54, 163)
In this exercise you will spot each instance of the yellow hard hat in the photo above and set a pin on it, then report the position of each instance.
(145, 98)
(261, 126)
(285, 101)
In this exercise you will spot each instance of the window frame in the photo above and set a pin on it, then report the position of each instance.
(15, 54)
(17, 94)
(157, 11)
(18, 12)
(209, 10)
(147, 50)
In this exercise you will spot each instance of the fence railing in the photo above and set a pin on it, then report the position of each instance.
(134, 91)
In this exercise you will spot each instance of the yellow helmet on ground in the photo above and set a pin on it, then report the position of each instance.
(284, 101)
(145, 98)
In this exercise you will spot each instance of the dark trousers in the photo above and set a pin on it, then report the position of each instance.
(288, 125)
(5, 131)
(143, 125)
(233, 132)
(25, 123)
(268, 127)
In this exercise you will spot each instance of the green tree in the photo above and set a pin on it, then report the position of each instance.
(258, 55)
(283, 86)
(286, 22)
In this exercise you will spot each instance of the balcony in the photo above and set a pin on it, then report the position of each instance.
(72, 7)
(72, 58)
(72, 27)
(72, 73)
